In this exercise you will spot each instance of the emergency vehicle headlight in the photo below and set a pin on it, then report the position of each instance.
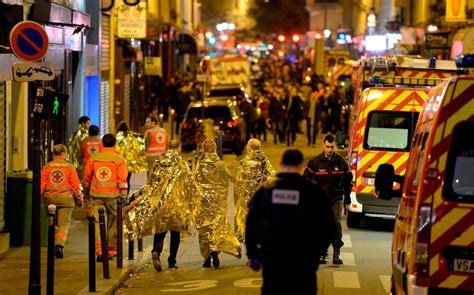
(465, 61)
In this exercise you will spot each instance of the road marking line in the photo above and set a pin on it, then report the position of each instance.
(348, 258)
(385, 279)
(346, 238)
(346, 279)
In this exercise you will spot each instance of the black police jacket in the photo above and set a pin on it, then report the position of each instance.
(289, 219)
(332, 174)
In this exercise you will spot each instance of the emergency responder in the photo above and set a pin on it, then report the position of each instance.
(105, 180)
(253, 170)
(92, 144)
(331, 172)
(60, 186)
(215, 232)
(282, 213)
(173, 182)
(155, 142)
(75, 144)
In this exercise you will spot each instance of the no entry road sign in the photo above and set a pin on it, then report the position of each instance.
(29, 41)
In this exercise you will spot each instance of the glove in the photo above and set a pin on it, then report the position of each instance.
(255, 264)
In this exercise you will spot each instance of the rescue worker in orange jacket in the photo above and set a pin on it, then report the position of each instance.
(105, 180)
(92, 144)
(60, 186)
(155, 142)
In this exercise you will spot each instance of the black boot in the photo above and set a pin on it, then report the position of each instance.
(207, 263)
(336, 259)
(215, 259)
(58, 251)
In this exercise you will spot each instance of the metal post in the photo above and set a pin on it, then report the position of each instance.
(91, 253)
(140, 245)
(172, 113)
(34, 287)
(104, 244)
(119, 234)
(50, 264)
(131, 249)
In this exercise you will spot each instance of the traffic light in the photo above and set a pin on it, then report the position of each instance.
(55, 103)
(281, 38)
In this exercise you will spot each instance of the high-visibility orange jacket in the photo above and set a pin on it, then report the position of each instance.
(90, 146)
(155, 141)
(105, 175)
(59, 179)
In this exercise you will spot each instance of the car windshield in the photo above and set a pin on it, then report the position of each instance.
(209, 112)
(459, 182)
(225, 92)
(389, 130)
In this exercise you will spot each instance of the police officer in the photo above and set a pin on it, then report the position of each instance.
(282, 213)
(331, 171)
(92, 144)
(105, 180)
(60, 186)
(155, 142)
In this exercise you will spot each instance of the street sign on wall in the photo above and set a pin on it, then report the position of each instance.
(32, 71)
(29, 41)
(131, 20)
(153, 66)
(437, 40)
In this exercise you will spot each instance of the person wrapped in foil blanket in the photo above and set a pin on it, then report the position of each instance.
(253, 170)
(166, 204)
(215, 232)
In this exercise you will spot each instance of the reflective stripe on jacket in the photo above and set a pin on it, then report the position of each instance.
(105, 175)
(59, 178)
(155, 141)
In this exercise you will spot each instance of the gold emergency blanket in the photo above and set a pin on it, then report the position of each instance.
(75, 148)
(253, 170)
(215, 232)
(131, 146)
(166, 203)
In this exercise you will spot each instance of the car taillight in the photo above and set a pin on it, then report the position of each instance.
(233, 123)
(186, 125)
(353, 167)
(422, 242)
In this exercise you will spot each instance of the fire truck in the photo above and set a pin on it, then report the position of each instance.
(383, 123)
(433, 238)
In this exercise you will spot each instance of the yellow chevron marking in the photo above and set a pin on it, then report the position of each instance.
(453, 281)
(442, 162)
(389, 107)
(366, 159)
(439, 134)
(423, 95)
(461, 86)
(399, 162)
(429, 200)
(450, 219)
(437, 197)
(463, 114)
(434, 264)
(466, 237)
(449, 93)
(401, 97)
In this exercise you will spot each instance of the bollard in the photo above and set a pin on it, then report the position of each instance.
(219, 144)
(119, 233)
(104, 244)
(91, 253)
(140, 245)
(50, 264)
(172, 112)
(131, 250)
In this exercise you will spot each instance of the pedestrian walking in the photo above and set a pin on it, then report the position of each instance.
(172, 181)
(282, 213)
(60, 186)
(92, 144)
(75, 144)
(212, 182)
(155, 142)
(253, 170)
(331, 171)
(105, 180)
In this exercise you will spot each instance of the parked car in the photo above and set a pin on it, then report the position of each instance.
(225, 115)
(231, 90)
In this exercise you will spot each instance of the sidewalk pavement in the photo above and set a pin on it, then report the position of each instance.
(72, 272)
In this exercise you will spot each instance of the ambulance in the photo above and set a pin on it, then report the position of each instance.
(433, 238)
(383, 123)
